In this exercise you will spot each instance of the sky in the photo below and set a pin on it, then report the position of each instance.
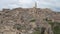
(52, 4)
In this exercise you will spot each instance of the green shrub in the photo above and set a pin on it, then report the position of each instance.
(56, 30)
(37, 30)
(32, 20)
(17, 26)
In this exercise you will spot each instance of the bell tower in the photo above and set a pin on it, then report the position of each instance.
(34, 7)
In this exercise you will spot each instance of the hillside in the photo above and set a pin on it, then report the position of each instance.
(27, 21)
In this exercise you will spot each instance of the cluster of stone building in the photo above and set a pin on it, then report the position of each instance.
(22, 16)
